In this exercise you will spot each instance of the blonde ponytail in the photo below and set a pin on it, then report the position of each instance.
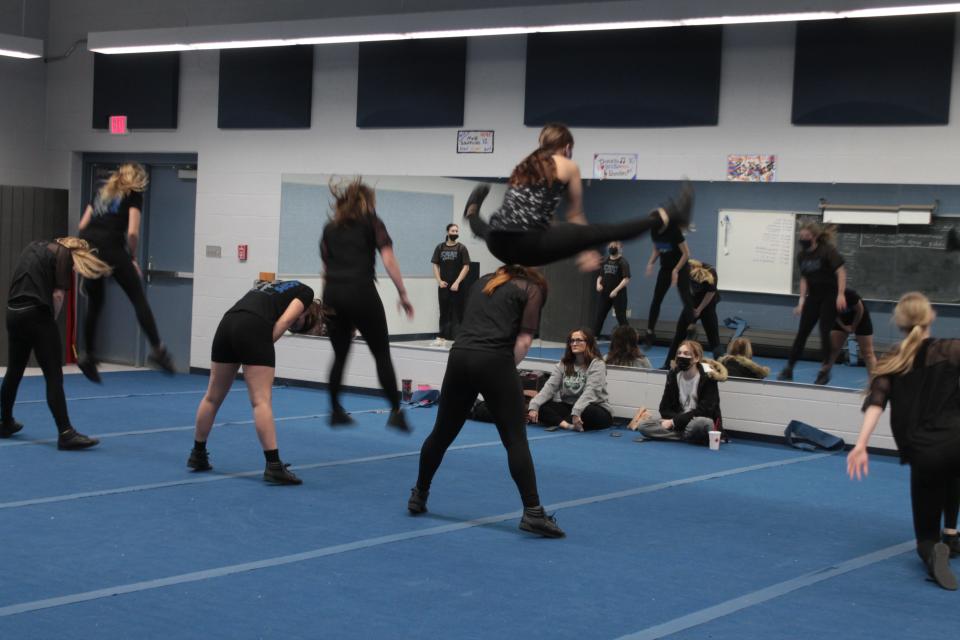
(84, 261)
(914, 315)
(699, 272)
(128, 177)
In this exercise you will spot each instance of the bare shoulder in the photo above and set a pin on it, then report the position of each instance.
(567, 169)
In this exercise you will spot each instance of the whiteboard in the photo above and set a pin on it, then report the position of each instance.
(755, 250)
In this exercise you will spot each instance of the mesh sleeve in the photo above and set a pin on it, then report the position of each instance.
(879, 393)
(380, 236)
(530, 322)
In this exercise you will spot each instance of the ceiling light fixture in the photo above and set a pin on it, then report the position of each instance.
(20, 47)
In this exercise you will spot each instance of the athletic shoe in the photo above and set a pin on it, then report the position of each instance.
(7, 429)
(71, 439)
(277, 473)
(88, 367)
(786, 374)
(680, 209)
(340, 418)
(952, 540)
(162, 358)
(938, 566)
(648, 338)
(199, 460)
(823, 377)
(398, 421)
(535, 520)
(438, 342)
(417, 503)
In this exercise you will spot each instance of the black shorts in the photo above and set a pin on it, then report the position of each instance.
(244, 338)
(865, 328)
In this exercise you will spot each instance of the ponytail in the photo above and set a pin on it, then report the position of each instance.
(506, 273)
(84, 261)
(914, 315)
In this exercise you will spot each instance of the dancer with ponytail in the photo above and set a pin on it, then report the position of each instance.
(920, 378)
(522, 230)
(111, 224)
(823, 279)
(43, 275)
(503, 314)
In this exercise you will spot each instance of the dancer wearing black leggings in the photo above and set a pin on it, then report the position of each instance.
(703, 298)
(43, 275)
(503, 314)
(612, 288)
(670, 248)
(245, 336)
(522, 231)
(348, 249)
(920, 378)
(823, 279)
(111, 224)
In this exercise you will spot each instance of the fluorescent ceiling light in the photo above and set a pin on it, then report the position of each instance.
(20, 47)
(452, 24)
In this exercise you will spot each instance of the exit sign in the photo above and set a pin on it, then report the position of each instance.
(118, 125)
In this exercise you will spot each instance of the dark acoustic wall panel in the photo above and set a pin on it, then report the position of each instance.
(268, 88)
(876, 71)
(633, 78)
(145, 87)
(414, 83)
(26, 214)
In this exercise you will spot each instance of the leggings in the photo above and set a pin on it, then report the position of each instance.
(451, 312)
(34, 329)
(495, 376)
(934, 492)
(537, 247)
(711, 326)
(619, 304)
(128, 279)
(664, 281)
(594, 416)
(358, 306)
(821, 305)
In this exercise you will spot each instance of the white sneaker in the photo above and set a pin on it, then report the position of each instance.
(439, 342)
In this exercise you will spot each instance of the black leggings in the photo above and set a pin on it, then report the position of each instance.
(594, 416)
(619, 304)
(537, 247)
(128, 279)
(664, 282)
(451, 312)
(820, 306)
(495, 376)
(934, 492)
(34, 329)
(711, 326)
(358, 306)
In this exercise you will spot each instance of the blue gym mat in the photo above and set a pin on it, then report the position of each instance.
(664, 539)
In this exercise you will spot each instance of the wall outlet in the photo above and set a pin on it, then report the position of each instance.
(213, 251)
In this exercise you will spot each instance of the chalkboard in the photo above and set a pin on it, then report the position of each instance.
(884, 262)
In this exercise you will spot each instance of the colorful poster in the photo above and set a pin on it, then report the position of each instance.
(474, 141)
(615, 166)
(751, 168)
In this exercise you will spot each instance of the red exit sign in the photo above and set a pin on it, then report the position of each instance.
(118, 125)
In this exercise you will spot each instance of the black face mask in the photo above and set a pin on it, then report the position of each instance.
(614, 251)
(683, 363)
(806, 244)
(453, 237)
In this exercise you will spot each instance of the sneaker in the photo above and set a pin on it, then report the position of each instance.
(786, 374)
(199, 460)
(648, 338)
(938, 566)
(72, 439)
(398, 421)
(680, 209)
(88, 367)
(9, 428)
(952, 540)
(340, 418)
(438, 342)
(277, 473)
(823, 377)
(535, 520)
(417, 503)
(162, 358)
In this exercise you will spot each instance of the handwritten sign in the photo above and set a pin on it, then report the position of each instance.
(474, 141)
(615, 166)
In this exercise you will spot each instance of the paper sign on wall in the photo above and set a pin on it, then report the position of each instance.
(474, 141)
(615, 166)
(751, 168)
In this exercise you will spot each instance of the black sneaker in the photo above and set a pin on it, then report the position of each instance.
(277, 473)
(398, 421)
(952, 540)
(340, 418)
(535, 520)
(9, 428)
(88, 367)
(199, 460)
(786, 374)
(680, 209)
(417, 503)
(938, 566)
(823, 377)
(648, 338)
(162, 359)
(73, 439)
